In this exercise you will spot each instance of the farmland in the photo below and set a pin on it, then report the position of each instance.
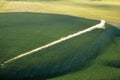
(28, 24)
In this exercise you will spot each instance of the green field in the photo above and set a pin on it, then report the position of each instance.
(28, 24)
(91, 56)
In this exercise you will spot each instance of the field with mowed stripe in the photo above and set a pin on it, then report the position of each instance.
(28, 24)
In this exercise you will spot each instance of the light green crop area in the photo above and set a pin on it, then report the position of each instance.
(101, 9)
(1, 2)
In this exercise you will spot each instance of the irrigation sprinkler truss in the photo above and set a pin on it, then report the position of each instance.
(101, 25)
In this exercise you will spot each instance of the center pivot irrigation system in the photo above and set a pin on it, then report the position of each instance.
(101, 25)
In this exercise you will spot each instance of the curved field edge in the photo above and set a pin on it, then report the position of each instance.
(89, 9)
(105, 67)
(24, 28)
(29, 30)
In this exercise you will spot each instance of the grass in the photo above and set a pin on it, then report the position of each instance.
(105, 9)
(60, 26)
(1, 2)
(83, 57)
(33, 0)
(105, 67)
(91, 56)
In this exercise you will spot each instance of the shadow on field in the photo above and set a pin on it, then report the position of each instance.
(67, 57)
(115, 64)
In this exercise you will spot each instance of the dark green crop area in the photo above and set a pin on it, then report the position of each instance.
(93, 55)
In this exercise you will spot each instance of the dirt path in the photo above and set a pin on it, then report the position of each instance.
(101, 25)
